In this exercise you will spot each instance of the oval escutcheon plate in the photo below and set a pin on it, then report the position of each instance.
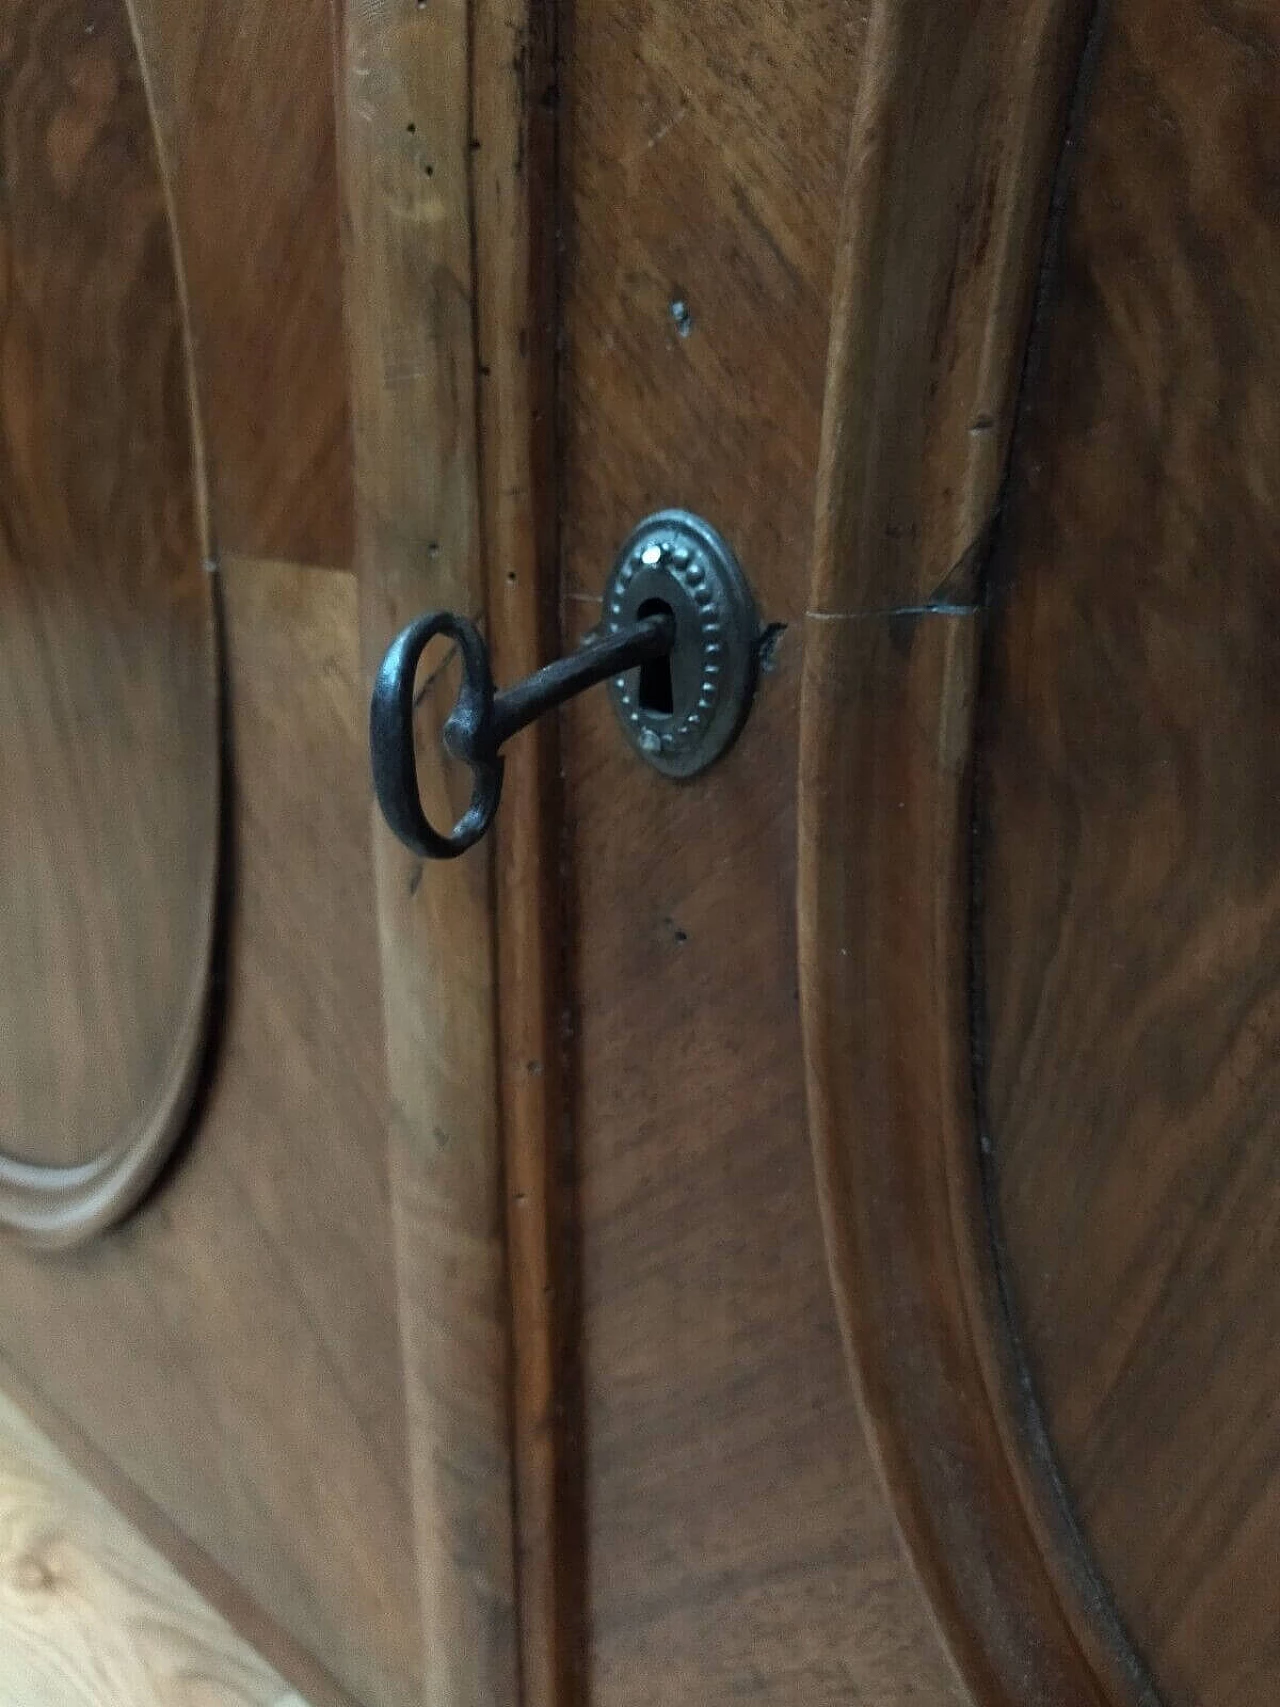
(109, 699)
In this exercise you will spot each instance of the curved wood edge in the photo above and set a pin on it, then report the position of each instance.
(58, 1208)
(958, 128)
(883, 951)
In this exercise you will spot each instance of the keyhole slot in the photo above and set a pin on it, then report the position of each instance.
(654, 693)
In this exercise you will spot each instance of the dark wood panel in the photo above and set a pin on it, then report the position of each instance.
(245, 98)
(958, 135)
(233, 1351)
(108, 656)
(1131, 892)
(514, 122)
(738, 1546)
(704, 150)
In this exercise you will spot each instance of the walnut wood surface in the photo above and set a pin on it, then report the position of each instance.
(229, 1359)
(957, 131)
(738, 1545)
(90, 1615)
(108, 654)
(1130, 841)
(547, 1403)
(408, 184)
(244, 94)
(513, 143)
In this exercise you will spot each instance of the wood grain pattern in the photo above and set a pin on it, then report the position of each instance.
(513, 146)
(738, 1545)
(959, 117)
(90, 1615)
(232, 1354)
(957, 130)
(109, 722)
(245, 99)
(407, 163)
(1131, 844)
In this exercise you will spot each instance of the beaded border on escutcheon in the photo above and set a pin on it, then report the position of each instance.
(670, 548)
(681, 563)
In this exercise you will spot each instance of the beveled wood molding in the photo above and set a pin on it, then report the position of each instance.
(446, 148)
(59, 1207)
(110, 621)
(516, 202)
(958, 130)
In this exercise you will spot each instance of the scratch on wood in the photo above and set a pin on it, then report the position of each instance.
(893, 611)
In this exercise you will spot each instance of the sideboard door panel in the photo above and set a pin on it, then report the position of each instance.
(800, 1234)
(189, 976)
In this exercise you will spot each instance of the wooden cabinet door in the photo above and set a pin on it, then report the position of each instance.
(192, 997)
(794, 1236)
(1035, 830)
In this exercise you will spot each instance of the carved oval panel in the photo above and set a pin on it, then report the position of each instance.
(109, 725)
(1130, 848)
(1038, 831)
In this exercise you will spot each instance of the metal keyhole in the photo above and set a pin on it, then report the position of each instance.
(679, 645)
(682, 710)
(654, 691)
